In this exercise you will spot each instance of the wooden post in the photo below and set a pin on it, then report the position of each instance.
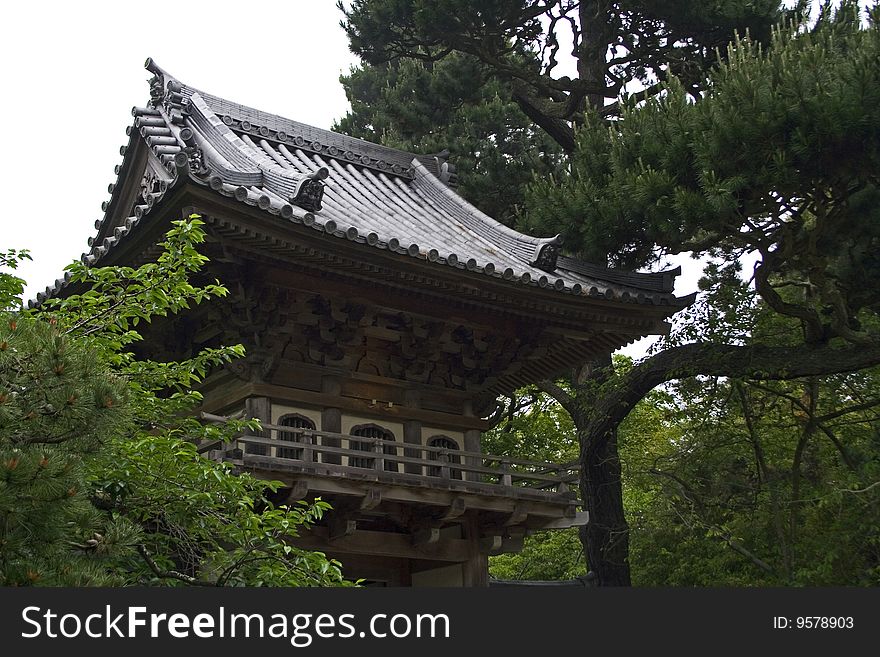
(475, 570)
(444, 465)
(379, 460)
(307, 452)
(331, 419)
(506, 479)
(261, 409)
(472, 439)
(412, 433)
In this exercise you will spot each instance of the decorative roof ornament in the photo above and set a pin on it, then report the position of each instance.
(547, 253)
(167, 93)
(192, 158)
(310, 190)
(445, 169)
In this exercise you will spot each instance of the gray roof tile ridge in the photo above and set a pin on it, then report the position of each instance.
(476, 243)
(644, 281)
(285, 182)
(661, 281)
(362, 196)
(232, 111)
(428, 222)
(224, 141)
(524, 247)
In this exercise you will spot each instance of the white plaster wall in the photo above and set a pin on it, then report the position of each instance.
(280, 410)
(349, 422)
(430, 432)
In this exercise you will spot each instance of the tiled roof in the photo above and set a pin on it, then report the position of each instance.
(314, 179)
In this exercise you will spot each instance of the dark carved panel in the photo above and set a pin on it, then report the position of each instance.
(278, 325)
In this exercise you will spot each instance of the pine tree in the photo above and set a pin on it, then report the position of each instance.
(58, 407)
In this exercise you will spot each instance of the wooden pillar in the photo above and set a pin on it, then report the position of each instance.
(331, 418)
(472, 443)
(475, 571)
(261, 409)
(412, 433)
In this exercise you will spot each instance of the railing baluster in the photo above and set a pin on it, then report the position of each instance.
(379, 463)
(506, 479)
(308, 452)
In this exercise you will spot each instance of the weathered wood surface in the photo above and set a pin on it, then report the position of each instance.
(494, 471)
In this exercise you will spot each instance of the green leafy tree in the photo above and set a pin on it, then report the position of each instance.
(100, 479)
(765, 482)
(535, 427)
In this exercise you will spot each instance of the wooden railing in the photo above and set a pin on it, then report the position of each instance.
(361, 454)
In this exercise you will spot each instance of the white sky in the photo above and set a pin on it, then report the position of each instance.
(73, 70)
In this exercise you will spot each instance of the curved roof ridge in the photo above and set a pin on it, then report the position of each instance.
(306, 135)
(662, 281)
(524, 245)
(223, 106)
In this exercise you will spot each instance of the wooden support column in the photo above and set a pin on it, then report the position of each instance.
(412, 433)
(261, 409)
(331, 418)
(475, 570)
(472, 440)
(472, 443)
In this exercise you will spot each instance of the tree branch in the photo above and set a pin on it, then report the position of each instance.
(759, 362)
(168, 574)
(565, 400)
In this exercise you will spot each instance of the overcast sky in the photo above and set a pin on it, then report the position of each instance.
(73, 70)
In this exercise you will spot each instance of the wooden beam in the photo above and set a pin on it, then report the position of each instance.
(340, 527)
(406, 489)
(384, 544)
(426, 536)
(298, 491)
(456, 509)
(371, 499)
(490, 544)
(520, 513)
(580, 518)
(363, 406)
(511, 544)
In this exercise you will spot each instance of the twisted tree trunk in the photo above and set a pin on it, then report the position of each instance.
(602, 401)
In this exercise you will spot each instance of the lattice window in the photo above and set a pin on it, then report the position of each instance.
(296, 421)
(372, 431)
(447, 443)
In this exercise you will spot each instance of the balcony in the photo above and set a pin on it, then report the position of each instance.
(534, 494)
